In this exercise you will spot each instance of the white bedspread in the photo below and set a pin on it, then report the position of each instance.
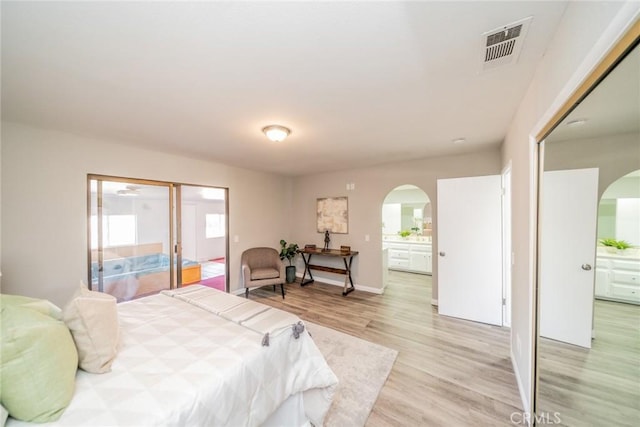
(183, 365)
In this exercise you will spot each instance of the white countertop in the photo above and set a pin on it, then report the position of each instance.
(420, 240)
(631, 254)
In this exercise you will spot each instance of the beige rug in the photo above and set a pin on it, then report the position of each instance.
(362, 368)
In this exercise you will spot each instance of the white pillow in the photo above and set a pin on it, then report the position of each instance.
(92, 318)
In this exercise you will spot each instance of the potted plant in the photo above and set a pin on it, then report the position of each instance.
(613, 244)
(289, 252)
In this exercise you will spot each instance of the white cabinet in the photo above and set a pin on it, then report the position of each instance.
(618, 279)
(409, 256)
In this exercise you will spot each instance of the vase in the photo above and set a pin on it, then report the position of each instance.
(290, 271)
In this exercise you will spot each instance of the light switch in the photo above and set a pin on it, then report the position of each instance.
(236, 238)
(366, 238)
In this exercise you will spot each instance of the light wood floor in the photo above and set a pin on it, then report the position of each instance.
(449, 372)
(600, 386)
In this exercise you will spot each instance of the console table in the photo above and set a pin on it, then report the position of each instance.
(347, 258)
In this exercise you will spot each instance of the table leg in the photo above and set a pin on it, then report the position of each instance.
(348, 280)
(307, 270)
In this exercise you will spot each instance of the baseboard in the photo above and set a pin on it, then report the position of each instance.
(434, 302)
(340, 283)
(516, 372)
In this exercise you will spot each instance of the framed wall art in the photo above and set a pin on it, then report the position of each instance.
(333, 215)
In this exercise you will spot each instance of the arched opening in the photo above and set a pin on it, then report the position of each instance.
(406, 236)
(619, 241)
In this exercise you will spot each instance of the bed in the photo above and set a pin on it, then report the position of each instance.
(196, 356)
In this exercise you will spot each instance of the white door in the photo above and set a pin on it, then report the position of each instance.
(568, 218)
(470, 248)
(506, 247)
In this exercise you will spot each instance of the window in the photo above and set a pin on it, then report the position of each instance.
(117, 230)
(215, 226)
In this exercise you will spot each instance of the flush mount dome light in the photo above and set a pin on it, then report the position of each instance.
(276, 133)
(576, 123)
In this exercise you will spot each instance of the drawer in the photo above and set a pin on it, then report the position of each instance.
(626, 277)
(402, 246)
(398, 254)
(630, 293)
(620, 264)
(420, 250)
(401, 263)
(602, 263)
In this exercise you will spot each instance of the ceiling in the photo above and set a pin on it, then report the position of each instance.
(612, 108)
(359, 83)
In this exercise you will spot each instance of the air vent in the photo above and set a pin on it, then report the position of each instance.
(502, 46)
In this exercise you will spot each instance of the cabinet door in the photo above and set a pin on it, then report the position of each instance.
(602, 282)
(429, 263)
(418, 262)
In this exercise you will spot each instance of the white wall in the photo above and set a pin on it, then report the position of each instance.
(614, 156)
(44, 219)
(586, 32)
(365, 205)
(625, 187)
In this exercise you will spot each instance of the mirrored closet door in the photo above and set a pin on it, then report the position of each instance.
(588, 348)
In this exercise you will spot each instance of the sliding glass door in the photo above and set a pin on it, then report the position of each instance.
(130, 237)
(204, 235)
(139, 231)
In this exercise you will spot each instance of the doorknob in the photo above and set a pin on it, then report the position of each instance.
(586, 267)
(441, 254)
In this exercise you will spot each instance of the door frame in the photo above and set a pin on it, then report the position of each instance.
(507, 255)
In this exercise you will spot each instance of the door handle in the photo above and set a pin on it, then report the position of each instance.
(586, 267)
(441, 253)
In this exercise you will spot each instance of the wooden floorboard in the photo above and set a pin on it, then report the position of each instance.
(598, 386)
(449, 372)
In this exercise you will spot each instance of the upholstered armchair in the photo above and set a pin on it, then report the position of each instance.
(262, 267)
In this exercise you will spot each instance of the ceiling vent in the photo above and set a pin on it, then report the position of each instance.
(502, 46)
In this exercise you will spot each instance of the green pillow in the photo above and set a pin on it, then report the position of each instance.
(38, 363)
(41, 305)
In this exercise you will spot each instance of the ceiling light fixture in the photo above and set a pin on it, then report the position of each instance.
(459, 141)
(276, 133)
(129, 190)
(576, 122)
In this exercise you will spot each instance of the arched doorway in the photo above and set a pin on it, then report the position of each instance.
(407, 232)
(618, 241)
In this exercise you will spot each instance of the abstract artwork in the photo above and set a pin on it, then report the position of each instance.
(333, 215)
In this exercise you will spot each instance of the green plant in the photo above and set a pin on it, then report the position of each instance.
(415, 229)
(288, 251)
(608, 242)
(618, 244)
(404, 233)
(622, 245)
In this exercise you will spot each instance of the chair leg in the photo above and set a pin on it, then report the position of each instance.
(282, 289)
(246, 293)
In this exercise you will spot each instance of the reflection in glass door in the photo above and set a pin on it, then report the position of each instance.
(130, 237)
(203, 228)
(140, 230)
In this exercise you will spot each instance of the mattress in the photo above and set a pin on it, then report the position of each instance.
(182, 363)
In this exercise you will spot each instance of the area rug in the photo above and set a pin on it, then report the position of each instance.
(217, 282)
(362, 368)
